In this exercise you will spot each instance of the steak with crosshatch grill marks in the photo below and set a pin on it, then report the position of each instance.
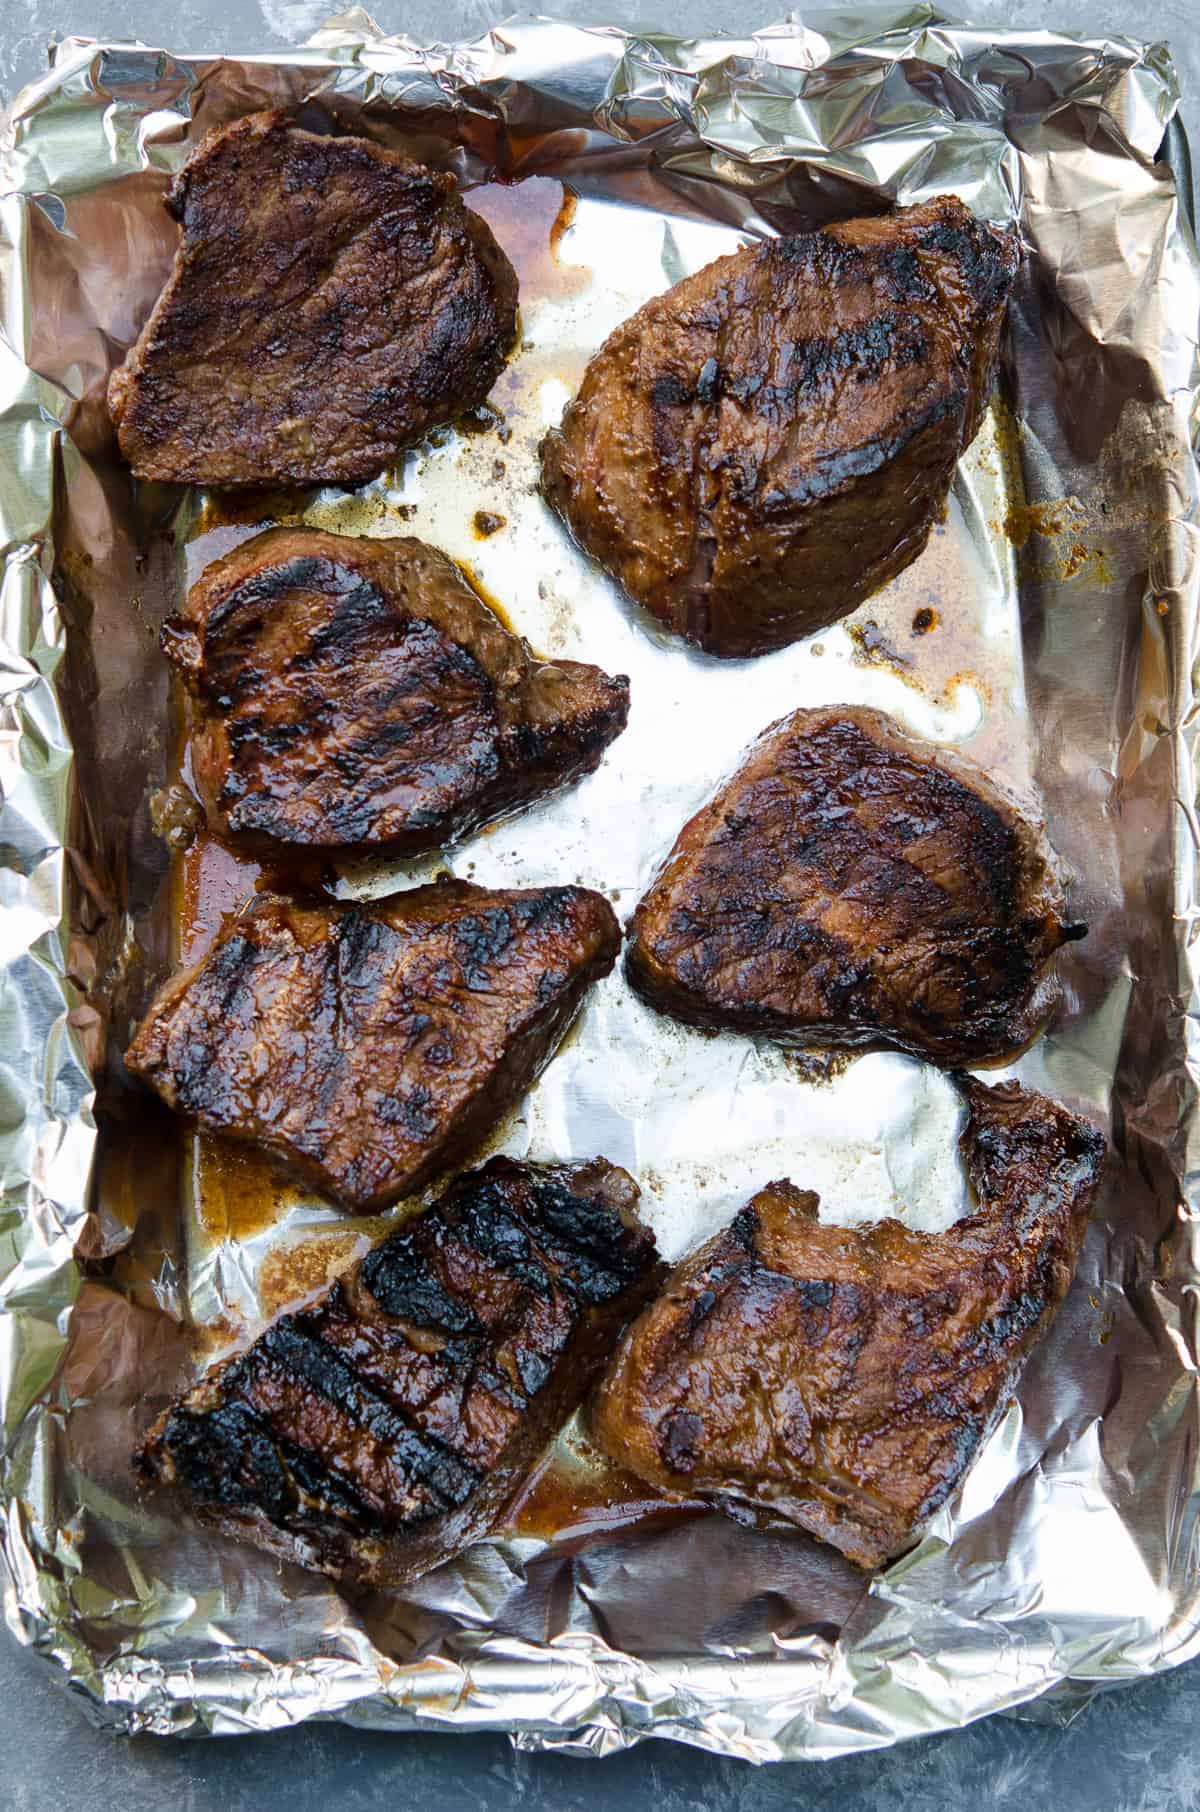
(753, 453)
(849, 888)
(330, 302)
(370, 1046)
(381, 1428)
(353, 692)
(844, 1379)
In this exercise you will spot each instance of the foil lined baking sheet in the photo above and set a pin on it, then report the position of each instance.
(1048, 630)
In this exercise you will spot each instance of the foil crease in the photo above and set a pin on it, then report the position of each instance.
(1071, 559)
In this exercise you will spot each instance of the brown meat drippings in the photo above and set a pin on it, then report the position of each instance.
(530, 219)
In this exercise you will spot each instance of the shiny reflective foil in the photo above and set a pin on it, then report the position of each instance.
(1048, 630)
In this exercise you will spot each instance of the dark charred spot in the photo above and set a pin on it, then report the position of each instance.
(361, 941)
(669, 391)
(681, 1440)
(484, 1218)
(498, 1384)
(360, 609)
(322, 1494)
(1010, 1323)
(414, 1111)
(482, 942)
(863, 351)
(399, 1276)
(534, 1369)
(595, 1255)
(228, 1457)
(813, 1293)
(744, 389)
(980, 255)
(903, 267)
(550, 984)
(326, 1372)
(963, 1433)
(708, 384)
(700, 1309)
(744, 1227)
(549, 906)
(261, 590)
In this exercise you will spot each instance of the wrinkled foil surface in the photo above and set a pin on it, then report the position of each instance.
(1063, 587)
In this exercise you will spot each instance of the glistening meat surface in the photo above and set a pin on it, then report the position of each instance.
(355, 692)
(851, 887)
(370, 1046)
(844, 1379)
(379, 1429)
(331, 302)
(756, 451)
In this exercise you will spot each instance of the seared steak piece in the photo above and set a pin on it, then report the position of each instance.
(379, 1430)
(845, 1378)
(369, 1046)
(348, 691)
(330, 302)
(851, 888)
(756, 451)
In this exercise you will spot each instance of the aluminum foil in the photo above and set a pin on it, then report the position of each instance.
(1063, 587)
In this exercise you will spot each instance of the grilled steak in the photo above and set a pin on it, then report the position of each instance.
(845, 1379)
(348, 691)
(330, 302)
(379, 1430)
(369, 1046)
(850, 888)
(756, 451)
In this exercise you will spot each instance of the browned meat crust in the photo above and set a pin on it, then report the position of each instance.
(370, 1046)
(756, 451)
(355, 691)
(379, 1430)
(845, 1379)
(330, 302)
(848, 888)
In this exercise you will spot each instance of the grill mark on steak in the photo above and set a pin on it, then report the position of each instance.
(395, 1275)
(329, 304)
(843, 1379)
(297, 1354)
(757, 450)
(849, 887)
(366, 1046)
(379, 1429)
(347, 691)
(861, 352)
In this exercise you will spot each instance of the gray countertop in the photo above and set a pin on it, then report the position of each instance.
(1136, 1750)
